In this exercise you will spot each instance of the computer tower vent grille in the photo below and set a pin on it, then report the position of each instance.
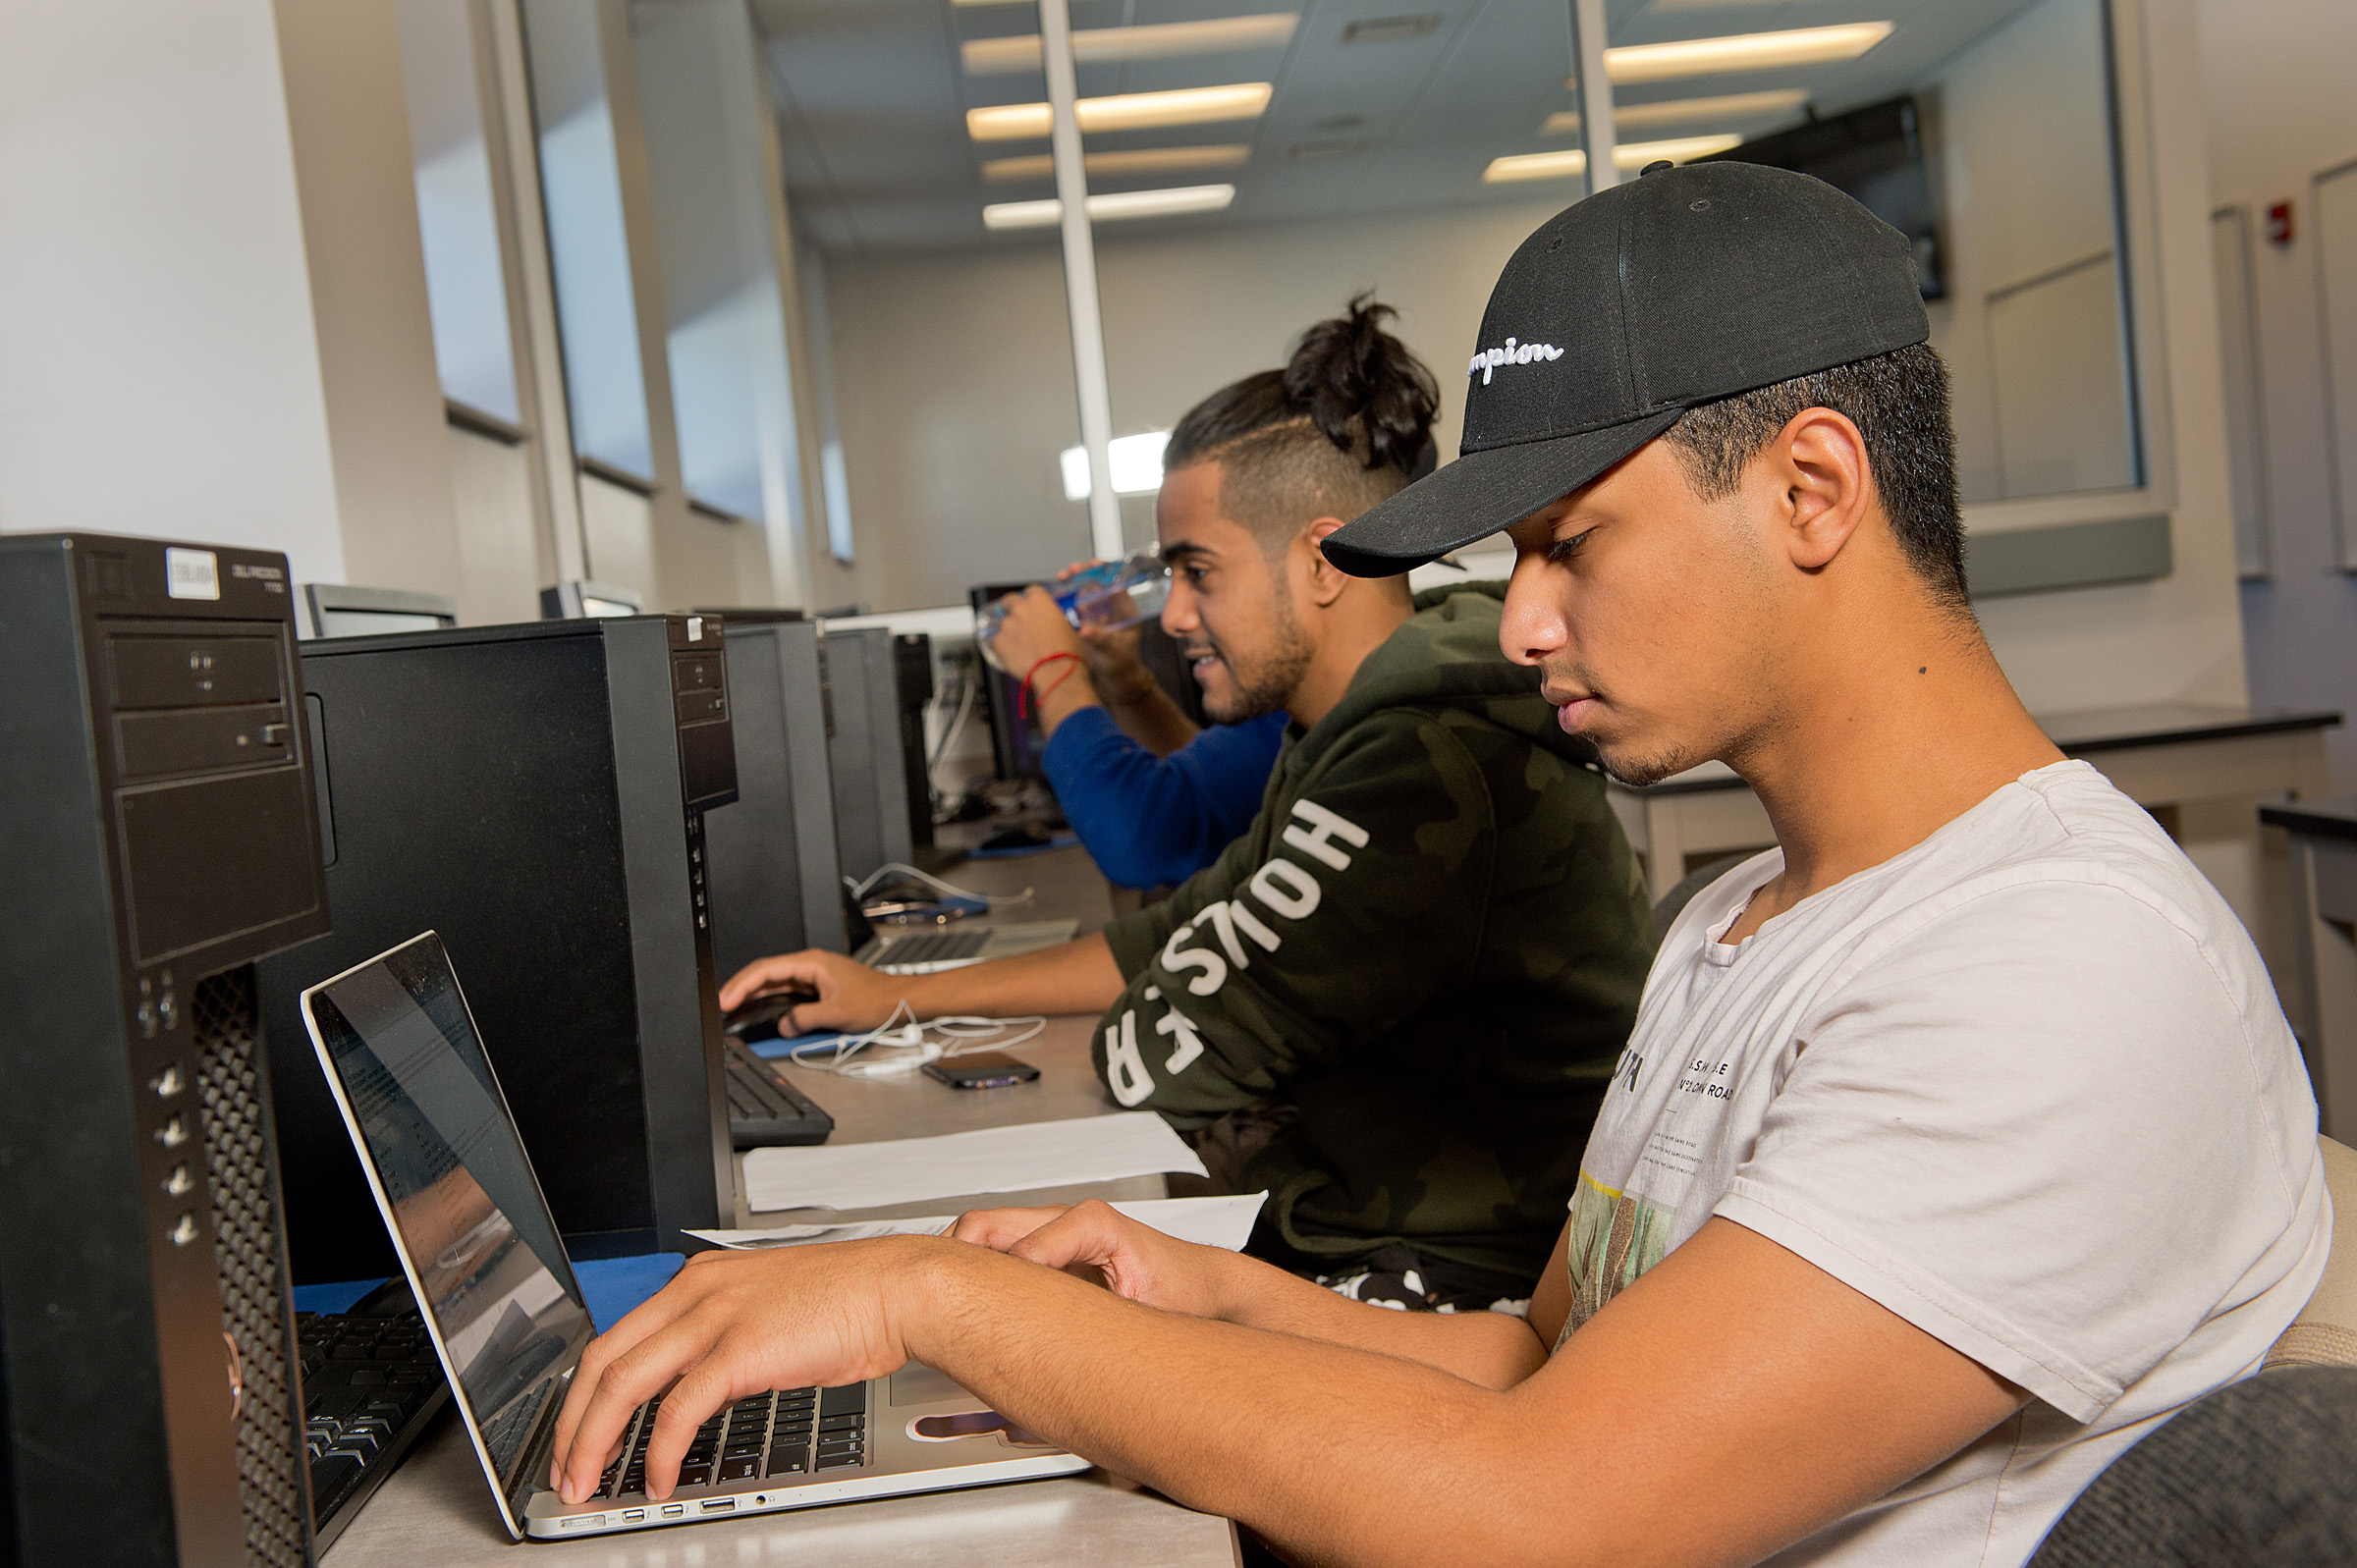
(245, 1247)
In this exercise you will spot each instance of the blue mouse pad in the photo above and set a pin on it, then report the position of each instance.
(613, 1286)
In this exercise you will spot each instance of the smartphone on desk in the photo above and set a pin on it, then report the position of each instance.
(981, 1069)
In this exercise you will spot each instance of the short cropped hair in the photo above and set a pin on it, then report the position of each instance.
(1899, 403)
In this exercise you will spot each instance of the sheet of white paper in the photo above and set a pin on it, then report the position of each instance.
(1224, 1221)
(1017, 1159)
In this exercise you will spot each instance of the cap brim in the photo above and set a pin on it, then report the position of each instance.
(1479, 494)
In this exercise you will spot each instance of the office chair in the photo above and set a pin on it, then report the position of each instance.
(2254, 1476)
(2257, 1475)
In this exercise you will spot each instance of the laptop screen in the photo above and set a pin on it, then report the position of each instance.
(466, 1207)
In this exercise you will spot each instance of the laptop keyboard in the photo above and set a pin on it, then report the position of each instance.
(369, 1385)
(933, 946)
(794, 1431)
(764, 1110)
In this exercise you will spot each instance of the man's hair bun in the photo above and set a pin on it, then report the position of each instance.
(1362, 385)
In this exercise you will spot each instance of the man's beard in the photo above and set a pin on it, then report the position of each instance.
(1268, 684)
(1638, 772)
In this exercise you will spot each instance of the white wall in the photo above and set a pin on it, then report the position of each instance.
(159, 366)
(2277, 109)
(212, 302)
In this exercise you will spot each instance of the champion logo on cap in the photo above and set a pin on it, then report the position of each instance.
(1513, 354)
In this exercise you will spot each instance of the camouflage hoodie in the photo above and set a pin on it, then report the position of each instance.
(1418, 963)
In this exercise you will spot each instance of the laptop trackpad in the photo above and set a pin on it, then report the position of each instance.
(920, 1384)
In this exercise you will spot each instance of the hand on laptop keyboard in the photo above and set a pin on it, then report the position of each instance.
(790, 1432)
(661, 1420)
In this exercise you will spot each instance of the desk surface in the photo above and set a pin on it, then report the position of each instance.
(2084, 733)
(437, 1508)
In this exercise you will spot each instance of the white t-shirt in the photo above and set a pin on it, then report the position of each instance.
(2027, 1085)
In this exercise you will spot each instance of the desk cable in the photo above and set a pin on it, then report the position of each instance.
(960, 1035)
(882, 874)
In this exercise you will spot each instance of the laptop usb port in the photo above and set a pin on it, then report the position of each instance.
(719, 1505)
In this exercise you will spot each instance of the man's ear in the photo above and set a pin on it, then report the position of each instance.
(1327, 582)
(1819, 463)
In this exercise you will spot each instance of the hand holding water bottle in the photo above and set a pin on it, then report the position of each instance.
(1103, 597)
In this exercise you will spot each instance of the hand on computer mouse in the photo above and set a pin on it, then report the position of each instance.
(834, 992)
(765, 1017)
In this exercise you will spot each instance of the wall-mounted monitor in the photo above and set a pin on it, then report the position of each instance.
(1874, 155)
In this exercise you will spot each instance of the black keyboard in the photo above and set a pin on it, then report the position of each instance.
(932, 947)
(764, 1109)
(370, 1384)
(794, 1431)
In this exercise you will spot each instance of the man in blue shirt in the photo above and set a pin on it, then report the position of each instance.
(1153, 797)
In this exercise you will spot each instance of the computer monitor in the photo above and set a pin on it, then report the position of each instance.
(537, 794)
(872, 816)
(774, 874)
(341, 610)
(579, 601)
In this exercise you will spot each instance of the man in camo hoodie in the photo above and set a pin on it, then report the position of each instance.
(1395, 1002)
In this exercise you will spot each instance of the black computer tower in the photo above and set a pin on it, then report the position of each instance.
(534, 793)
(871, 785)
(159, 841)
(774, 877)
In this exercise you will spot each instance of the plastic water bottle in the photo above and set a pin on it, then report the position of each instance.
(1112, 596)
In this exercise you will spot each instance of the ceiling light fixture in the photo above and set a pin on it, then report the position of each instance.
(1092, 46)
(1111, 207)
(1113, 164)
(1742, 51)
(1573, 161)
(1128, 111)
(1734, 106)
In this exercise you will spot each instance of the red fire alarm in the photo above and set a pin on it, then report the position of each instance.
(2279, 224)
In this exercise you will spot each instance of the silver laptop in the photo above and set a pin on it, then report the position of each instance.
(922, 949)
(506, 1316)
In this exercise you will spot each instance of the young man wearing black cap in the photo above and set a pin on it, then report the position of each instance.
(1960, 1140)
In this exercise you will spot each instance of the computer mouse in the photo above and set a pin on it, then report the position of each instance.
(759, 1018)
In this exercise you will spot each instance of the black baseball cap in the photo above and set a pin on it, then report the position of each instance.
(1681, 286)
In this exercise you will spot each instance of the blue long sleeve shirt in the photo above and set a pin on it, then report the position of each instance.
(1148, 820)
